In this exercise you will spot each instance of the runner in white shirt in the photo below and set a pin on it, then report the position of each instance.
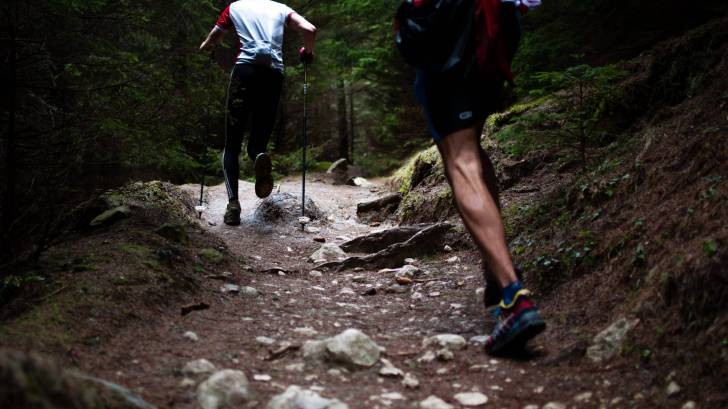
(255, 85)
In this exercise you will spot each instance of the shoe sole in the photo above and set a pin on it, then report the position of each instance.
(532, 325)
(263, 177)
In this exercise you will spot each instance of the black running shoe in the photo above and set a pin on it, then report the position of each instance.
(232, 213)
(263, 175)
(518, 322)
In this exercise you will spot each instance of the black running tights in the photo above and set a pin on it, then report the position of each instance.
(252, 103)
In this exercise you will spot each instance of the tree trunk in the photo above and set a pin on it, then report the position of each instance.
(350, 120)
(342, 122)
(9, 196)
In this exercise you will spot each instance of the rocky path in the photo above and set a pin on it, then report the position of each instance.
(283, 335)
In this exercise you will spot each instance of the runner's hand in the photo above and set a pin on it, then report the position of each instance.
(305, 56)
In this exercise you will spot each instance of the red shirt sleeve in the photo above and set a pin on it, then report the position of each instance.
(225, 22)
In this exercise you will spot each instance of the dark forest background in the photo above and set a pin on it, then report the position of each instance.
(98, 93)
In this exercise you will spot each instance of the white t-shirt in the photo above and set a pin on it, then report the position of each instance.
(259, 25)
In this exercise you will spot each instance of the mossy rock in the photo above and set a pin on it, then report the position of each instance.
(173, 232)
(211, 256)
(33, 381)
(111, 216)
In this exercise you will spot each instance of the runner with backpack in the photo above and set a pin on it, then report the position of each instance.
(255, 86)
(462, 50)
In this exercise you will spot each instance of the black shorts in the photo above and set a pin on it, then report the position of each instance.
(452, 102)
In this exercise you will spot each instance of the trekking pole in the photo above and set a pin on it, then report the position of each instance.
(305, 138)
(200, 206)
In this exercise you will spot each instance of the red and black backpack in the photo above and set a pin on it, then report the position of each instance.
(444, 35)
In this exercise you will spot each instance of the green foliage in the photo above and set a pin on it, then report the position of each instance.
(710, 247)
(583, 95)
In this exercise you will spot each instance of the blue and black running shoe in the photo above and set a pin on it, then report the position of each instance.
(518, 322)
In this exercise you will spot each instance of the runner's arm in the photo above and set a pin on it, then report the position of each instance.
(305, 29)
(215, 37)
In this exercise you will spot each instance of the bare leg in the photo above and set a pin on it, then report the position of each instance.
(478, 207)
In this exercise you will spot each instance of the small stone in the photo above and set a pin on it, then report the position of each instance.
(434, 294)
(306, 331)
(410, 260)
(359, 279)
(191, 336)
(616, 401)
(314, 351)
(199, 366)
(673, 389)
(187, 383)
(334, 372)
(448, 341)
(554, 405)
(230, 288)
(479, 339)
(328, 252)
(433, 402)
(249, 292)
(583, 397)
(689, 405)
(296, 398)
(530, 407)
(397, 289)
(315, 274)
(265, 341)
(262, 377)
(445, 355)
(428, 356)
(347, 291)
(404, 281)
(538, 390)
(388, 369)
(417, 296)
(392, 396)
(354, 348)
(471, 399)
(410, 381)
(453, 259)
(297, 367)
(227, 388)
(442, 371)
(447, 248)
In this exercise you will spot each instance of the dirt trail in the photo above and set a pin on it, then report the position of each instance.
(294, 307)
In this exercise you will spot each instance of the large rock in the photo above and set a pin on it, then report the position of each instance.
(111, 216)
(296, 398)
(353, 348)
(609, 342)
(34, 381)
(224, 389)
(327, 252)
(284, 208)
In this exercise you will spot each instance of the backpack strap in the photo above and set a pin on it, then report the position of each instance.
(491, 50)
